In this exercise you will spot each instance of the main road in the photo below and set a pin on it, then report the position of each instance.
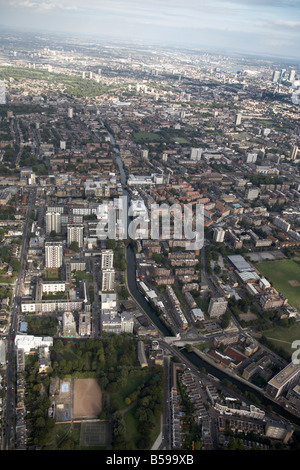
(16, 302)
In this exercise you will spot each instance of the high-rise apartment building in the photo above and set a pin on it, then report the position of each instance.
(53, 254)
(238, 119)
(107, 259)
(284, 380)
(276, 76)
(75, 234)
(84, 327)
(282, 224)
(108, 280)
(282, 74)
(217, 307)
(251, 157)
(57, 208)
(294, 152)
(69, 325)
(292, 75)
(251, 193)
(53, 222)
(219, 234)
(195, 154)
(145, 154)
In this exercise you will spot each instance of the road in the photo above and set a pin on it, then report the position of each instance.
(18, 141)
(96, 307)
(169, 351)
(167, 415)
(16, 302)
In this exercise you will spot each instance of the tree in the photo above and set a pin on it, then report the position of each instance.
(119, 426)
(127, 401)
(217, 269)
(15, 263)
(67, 444)
(103, 382)
(111, 244)
(236, 444)
(58, 345)
(74, 246)
(225, 320)
(40, 422)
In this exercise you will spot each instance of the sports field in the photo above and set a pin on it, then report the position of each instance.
(87, 399)
(285, 277)
(95, 434)
(283, 338)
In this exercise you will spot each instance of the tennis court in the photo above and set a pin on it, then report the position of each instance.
(95, 434)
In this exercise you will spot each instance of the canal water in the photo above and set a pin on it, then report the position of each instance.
(210, 369)
(192, 357)
(132, 284)
(131, 272)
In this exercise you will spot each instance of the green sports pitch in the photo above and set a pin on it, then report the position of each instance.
(285, 277)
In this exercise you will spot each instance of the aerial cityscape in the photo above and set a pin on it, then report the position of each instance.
(150, 228)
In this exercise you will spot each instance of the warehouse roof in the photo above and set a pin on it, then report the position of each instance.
(240, 263)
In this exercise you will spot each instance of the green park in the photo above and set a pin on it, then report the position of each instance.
(284, 275)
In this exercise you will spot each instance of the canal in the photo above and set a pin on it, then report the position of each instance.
(190, 356)
(132, 285)
(216, 372)
(131, 272)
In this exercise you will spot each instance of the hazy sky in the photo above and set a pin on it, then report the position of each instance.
(253, 26)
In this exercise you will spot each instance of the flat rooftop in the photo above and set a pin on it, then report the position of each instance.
(284, 375)
(240, 263)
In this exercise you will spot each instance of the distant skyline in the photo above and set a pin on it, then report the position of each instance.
(261, 27)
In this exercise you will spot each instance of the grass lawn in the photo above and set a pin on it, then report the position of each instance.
(147, 137)
(284, 337)
(53, 274)
(203, 346)
(285, 277)
(296, 256)
(202, 303)
(81, 275)
(69, 353)
(118, 399)
(132, 431)
(71, 433)
(131, 426)
(140, 137)
(8, 280)
(59, 433)
(265, 122)
(180, 140)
